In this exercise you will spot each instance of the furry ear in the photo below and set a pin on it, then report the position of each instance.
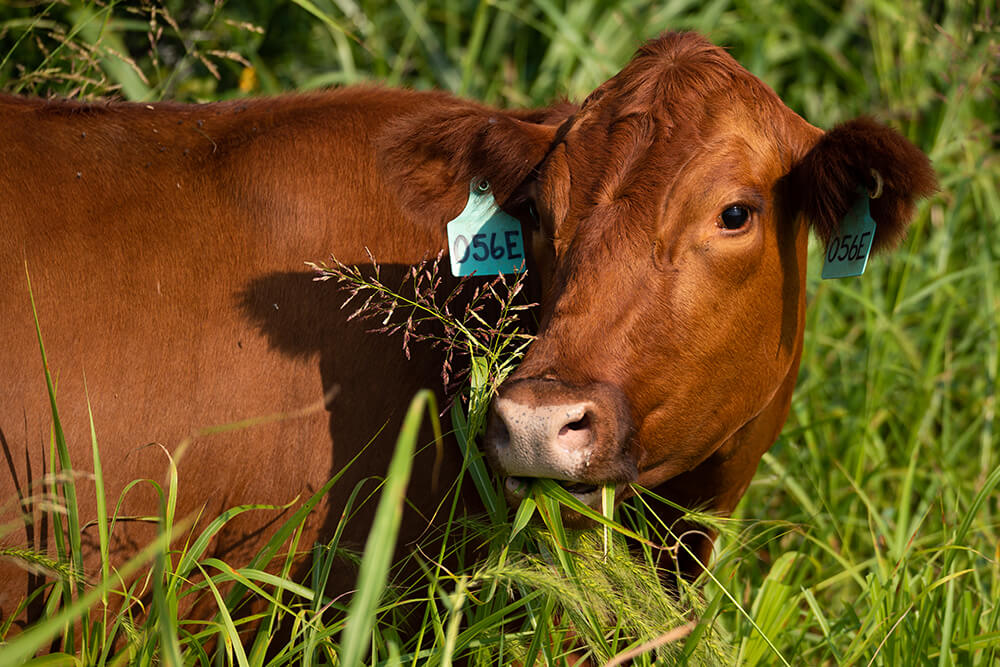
(827, 180)
(431, 156)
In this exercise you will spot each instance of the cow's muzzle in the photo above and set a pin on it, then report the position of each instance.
(578, 436)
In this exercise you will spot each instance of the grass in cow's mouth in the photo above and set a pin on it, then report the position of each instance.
(522, 486)
(577, 488)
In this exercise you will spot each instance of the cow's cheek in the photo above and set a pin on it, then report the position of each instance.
(710, 379)
(678, 435)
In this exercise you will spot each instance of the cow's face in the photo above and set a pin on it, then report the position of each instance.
(675, 266)
(671, 220)
(673, 248)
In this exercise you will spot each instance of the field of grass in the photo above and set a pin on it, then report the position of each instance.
(870, 534)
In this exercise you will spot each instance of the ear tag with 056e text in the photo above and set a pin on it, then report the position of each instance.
(483, 239)
(847, 253)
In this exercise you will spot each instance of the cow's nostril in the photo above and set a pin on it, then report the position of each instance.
(576, 434)
(581, 424)
(501, 434)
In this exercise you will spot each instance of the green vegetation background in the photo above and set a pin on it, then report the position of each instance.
(870, 534)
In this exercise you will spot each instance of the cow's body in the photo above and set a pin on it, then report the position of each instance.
(165, 246)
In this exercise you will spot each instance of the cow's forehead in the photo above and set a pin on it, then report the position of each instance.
(626, 172)
(669, 76)
(696, 95)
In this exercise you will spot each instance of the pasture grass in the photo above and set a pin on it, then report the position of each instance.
(869, 535)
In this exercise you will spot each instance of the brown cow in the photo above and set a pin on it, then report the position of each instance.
(165, 245)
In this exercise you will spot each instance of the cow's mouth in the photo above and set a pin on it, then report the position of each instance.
(588, 494)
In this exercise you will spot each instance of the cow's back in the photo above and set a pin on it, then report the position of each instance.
(165, 247)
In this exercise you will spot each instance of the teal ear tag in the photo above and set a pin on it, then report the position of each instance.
(483, 239)
(847, 252)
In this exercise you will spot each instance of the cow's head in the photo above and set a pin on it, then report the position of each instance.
(673, 211)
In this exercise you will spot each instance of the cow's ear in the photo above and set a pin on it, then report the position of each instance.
(431, 156)
(856, 156)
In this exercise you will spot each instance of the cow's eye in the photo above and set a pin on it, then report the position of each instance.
(734, 217)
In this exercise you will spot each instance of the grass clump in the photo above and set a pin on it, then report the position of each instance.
(488, 590)
(556, 583)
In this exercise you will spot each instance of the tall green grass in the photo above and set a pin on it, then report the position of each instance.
(869, 535)
(520, 592)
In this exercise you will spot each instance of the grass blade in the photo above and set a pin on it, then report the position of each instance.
(380, 546)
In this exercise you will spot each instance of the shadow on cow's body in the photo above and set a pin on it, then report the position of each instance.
(668, 221)
(166, 247)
